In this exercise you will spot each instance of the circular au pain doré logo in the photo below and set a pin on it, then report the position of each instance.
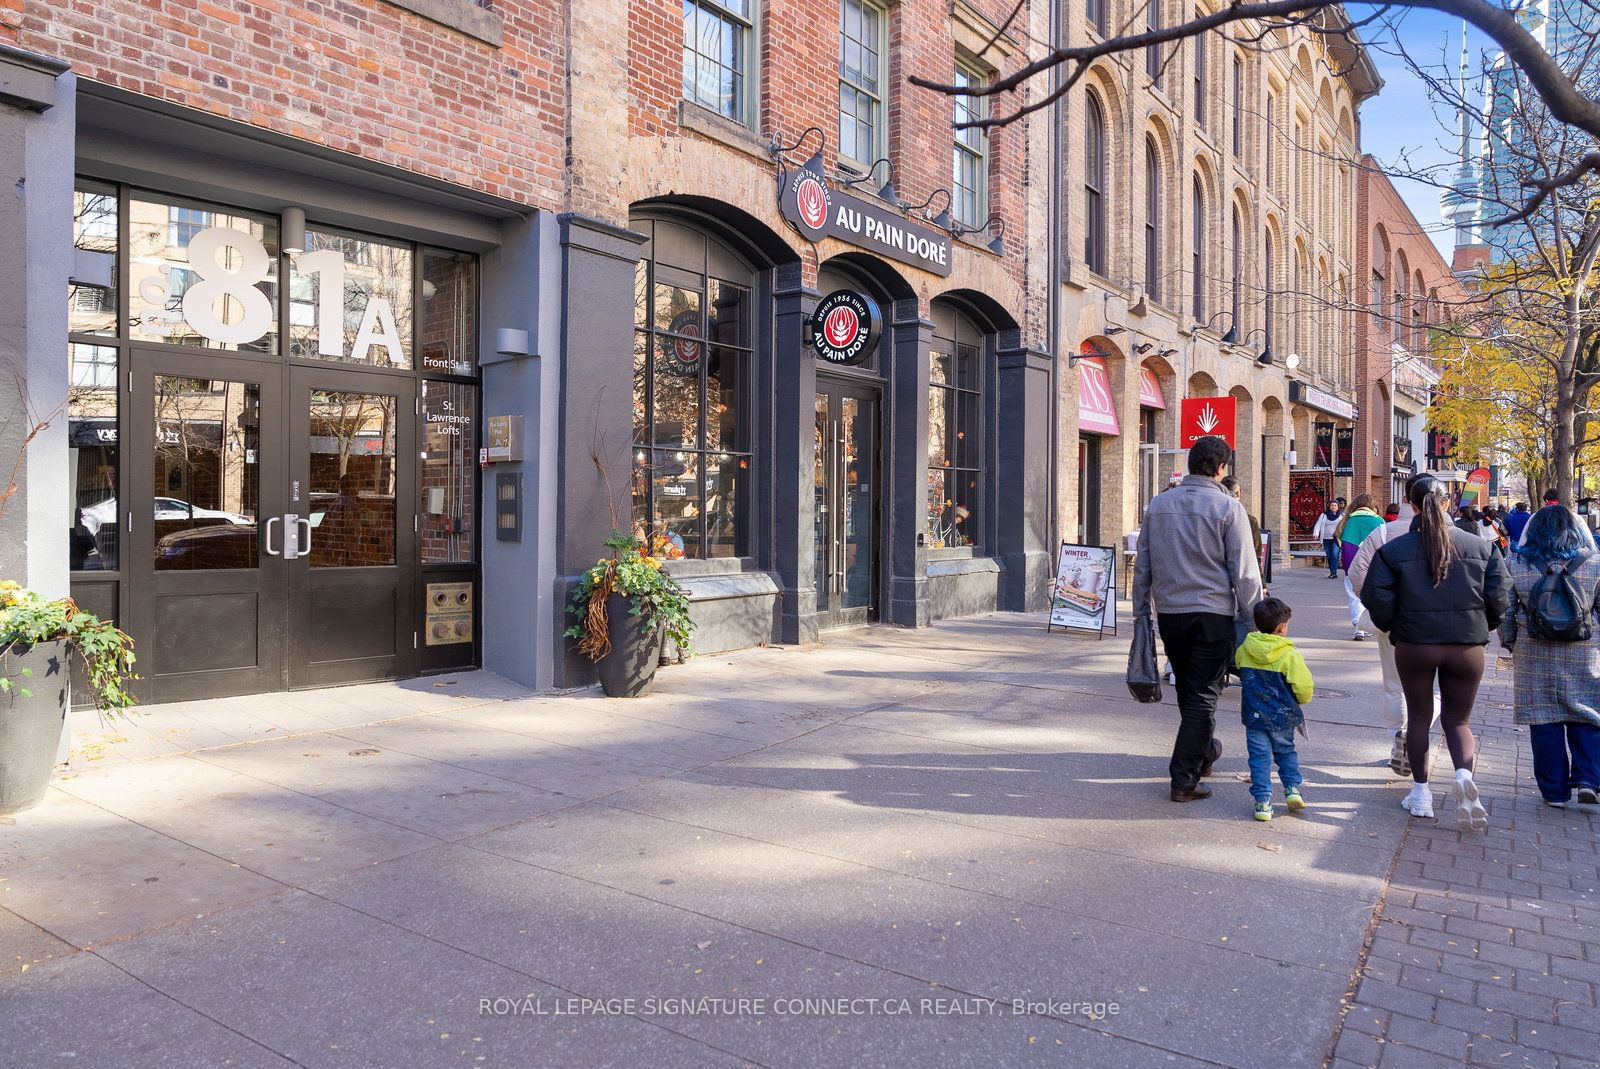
(811, 203)
(684, 351)
(845, 327)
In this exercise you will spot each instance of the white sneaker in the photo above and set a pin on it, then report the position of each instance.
(1360, 635)
(1470, 814)
(1419, 802)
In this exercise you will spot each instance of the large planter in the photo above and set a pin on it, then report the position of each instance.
(30, 727)
(629, 669)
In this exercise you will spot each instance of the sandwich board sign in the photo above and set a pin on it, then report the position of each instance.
(1084, 594)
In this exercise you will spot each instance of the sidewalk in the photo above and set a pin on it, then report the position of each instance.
(957, 818)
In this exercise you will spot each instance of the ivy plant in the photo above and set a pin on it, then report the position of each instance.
(27, 619)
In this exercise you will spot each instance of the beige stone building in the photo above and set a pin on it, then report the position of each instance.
(1209, 194)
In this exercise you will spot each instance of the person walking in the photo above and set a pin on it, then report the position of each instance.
(1391, 512)
(1394, 697)
(1195, 568)
(1557, 672)
(1276, 684)
(1438, 591)
(1351, 531)
(1326, 523)
(1231, 484)
(1516, 520)
(1467, 519)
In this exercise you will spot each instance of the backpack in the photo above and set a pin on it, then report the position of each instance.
(1557, 608)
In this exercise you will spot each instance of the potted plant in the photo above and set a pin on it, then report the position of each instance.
(626, 608)
(37, 638)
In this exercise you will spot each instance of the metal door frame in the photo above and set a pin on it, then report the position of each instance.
(836, 389)
(144, 584)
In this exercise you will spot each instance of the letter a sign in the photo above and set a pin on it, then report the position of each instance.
(1206, 417)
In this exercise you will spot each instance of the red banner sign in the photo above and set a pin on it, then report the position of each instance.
(1206, 417)
(1150, 390)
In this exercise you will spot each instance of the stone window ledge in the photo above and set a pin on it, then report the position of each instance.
(962, 566)
(463, 16)
(710, 125)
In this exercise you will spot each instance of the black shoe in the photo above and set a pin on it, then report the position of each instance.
(1216, 752)
(1196, 793)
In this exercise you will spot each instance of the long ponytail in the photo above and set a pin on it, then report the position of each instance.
(1433, 527)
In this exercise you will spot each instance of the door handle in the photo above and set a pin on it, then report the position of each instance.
(291, 536)
(267, 537)
(305, 544)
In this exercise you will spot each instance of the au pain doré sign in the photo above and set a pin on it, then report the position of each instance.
(818, 212)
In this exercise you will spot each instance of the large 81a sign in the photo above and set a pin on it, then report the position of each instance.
(220, 298)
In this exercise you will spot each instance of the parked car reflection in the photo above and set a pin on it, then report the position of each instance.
(222, 545)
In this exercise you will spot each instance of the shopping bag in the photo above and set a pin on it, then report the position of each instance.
(1144, 681)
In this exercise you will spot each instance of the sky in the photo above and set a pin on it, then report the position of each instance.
(1401, 123)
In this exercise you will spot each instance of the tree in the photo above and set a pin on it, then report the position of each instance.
(1252, 22)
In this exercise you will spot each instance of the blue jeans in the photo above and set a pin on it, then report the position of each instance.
(1557, 778)
(1263, 746)
(1330, 547)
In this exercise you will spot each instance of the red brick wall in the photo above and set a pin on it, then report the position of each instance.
(799, 72)
(360, 76)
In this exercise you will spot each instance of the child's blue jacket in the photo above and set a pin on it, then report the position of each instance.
(1275, 680)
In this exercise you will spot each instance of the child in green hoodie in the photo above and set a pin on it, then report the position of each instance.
(1275, 681)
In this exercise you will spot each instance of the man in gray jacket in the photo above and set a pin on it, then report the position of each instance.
(1196, 567)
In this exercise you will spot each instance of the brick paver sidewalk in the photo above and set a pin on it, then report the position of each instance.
(1486, 948)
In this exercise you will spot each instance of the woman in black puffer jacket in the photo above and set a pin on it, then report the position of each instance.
(1438, 591)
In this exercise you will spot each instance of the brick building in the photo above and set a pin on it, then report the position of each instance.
(309, 275)
(1409, 292)
(1208, 246)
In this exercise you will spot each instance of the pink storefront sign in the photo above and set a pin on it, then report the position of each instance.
(1096, 412)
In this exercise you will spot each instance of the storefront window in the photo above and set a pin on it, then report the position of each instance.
(692, 358)
(449, 312)
(350, 300)
(92, 294)
(202, 276)
(447, 474)
(92, 441)
(955, 456)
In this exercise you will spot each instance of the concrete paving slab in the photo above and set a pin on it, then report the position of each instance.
(436, 799)
(328, 986)
(87, 875)
(24, 945)
(85, 1011)
(946, 935)
(279, 833)
(542, 922)
(568, 771)
(600, 729)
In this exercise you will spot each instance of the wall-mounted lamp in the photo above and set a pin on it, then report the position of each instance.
(293, 238)
(509, 341)
(942, 220)
(887, 190)
(1291, 361)
(815, 162)
(1143, 347)
(1112, 328)
(998, 245)
(1167, 352)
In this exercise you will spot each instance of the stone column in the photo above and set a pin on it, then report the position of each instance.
(906, 465)
(1022, 475)
(37, 118)
(596, 404)
(791, 381)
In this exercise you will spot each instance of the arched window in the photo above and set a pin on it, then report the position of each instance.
(1199, 251)
(1094, 187)
(1152, 220)
(1236, 273)
(955, 431)
(695, 318)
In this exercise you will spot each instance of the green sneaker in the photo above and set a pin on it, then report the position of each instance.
(1263, 810)
(1296, 803)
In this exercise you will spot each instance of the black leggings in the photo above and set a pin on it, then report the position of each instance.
(1459, 669)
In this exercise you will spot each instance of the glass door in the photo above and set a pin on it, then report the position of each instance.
(204, 524)
(351, 524)
(845, 505)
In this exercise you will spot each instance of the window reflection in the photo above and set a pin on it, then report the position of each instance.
(207, 478)
(92, 294)
(92, 444)
(350, 300)
(449, 312)
(449, 478)
(352, 479)
(955, 455)
(236, 263)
